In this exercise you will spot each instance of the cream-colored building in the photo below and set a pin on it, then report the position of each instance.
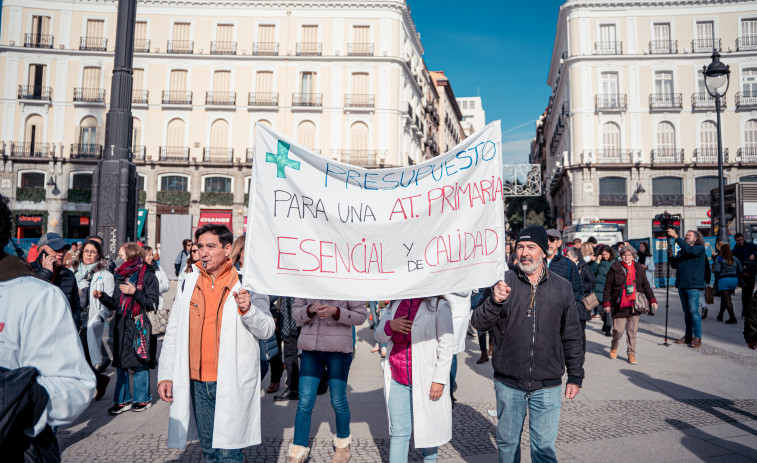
(450, 130)
(630, 131)
(346, 79)
(474, 116)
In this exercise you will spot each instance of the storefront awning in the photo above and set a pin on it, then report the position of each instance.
(218, 217)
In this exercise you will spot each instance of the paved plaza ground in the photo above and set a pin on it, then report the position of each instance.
(677, 405)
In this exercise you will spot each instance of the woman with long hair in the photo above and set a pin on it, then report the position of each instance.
(416, 378)
(727, 271)
(136, 292)
(646, 259)
(601, 266)
(192, 261)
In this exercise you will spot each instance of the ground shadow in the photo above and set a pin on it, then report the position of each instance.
(693, 442)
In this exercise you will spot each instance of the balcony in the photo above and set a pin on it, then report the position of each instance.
(223, 48)
(307, 99)
(139, 96)
(141, 45)
(705, 45)
(610, 102)
(663, 47)
(703, 101)
(270, 99)
(359, 100)
(32, 150)
(667, 200)
(613, 47)
(173, 153)
(176, 97)
(613, 200)
(708, 156)
(362, 158)
(613, 156)
(265, 48)
(221, 98)
(180, 46)
(89, 95)
(86, 151)
(138, 153)
(747, 42)
(250, 156)
(747, 155)
(216, 154)
(308, 48)
(666, 156)
(93, 43)
(360, 49)
(746, 99)
(34, 92)
(38, 40)
(665, 101)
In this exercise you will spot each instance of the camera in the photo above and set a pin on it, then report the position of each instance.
(662, 222)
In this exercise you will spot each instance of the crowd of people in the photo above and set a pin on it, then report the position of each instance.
(221, 338)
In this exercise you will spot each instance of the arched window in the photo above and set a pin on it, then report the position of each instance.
(33, 129)
(359, 136)
(265, 123)
(81, 180)
(219, 134)
(217, 185)
(610, 142)
(708, 141)
(136, 133)
(88, 138)
(667, 191)
(703, 187)
(174, 183)
(31, 180)
(306, 134)
(665, 146)
(612, 191)
(175, 146)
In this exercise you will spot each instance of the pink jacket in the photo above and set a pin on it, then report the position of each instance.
(401, 356)
(332, 334)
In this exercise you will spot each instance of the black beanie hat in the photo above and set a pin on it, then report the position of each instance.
(536, 234)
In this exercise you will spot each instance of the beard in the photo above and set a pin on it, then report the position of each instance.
(529, 265)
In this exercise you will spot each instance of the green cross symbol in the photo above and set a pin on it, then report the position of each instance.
(281, 159)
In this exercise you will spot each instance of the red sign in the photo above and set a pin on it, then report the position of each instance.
(29, 220)
(84, 220)
(218, 217)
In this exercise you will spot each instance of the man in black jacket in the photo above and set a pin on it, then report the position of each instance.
(49, 267)
(536, 335)
(690, 263)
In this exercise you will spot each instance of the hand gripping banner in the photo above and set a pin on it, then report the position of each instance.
(324, 229)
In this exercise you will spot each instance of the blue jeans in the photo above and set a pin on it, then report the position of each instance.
(122, 393)
(311, 367)
(401, 418)
(375, 313)
(690, 304)
(204, 406)
(543, 408)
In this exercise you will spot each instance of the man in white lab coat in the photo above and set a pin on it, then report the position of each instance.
(210, 361)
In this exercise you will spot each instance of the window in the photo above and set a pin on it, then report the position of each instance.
(225, 32)
(667, 191)
(178, 80)
(264, 82)
(175, 133)
(310, 34)
(703, 187)
(705, 38)
(310, 44)
(661, 42)
(361, 34)
(265, 123)
(40, 25)
(88, 133)
(217, 185)
(91, 78)
(748, 39)
(748, 178)
(307, 83)
(174, 183)
(136, 132)
(609, 82)
(607, 39)
(611, 140)
(663, 84)
(708, 140)
(306, 134)
(219, 134)
(749, 83)
(266, 44)
(666, 139)
(33, 131)
(138, 79)
(267, 33)
(37, 80)
(612, 191)
(140, 182)
(750, 136)
(360, 83)
(181, 31)
(32, 180)
(95, 29)
(140, 36)
(82, 180)
(359, 136)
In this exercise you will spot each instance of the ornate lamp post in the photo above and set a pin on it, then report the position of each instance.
(716, 81)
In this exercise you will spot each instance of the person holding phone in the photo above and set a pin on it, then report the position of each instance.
(49, 267)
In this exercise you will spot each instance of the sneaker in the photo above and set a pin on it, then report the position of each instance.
(117, 409)
(696, 343)
(683, 340)
(141, 406)
(383, 352)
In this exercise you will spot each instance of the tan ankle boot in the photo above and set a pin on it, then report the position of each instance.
(298, 453)
(342, 450)
(613, 353)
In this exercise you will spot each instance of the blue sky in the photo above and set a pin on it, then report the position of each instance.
(498, 49)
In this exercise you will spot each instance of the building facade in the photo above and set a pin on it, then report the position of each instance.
(347, 80)
(450, 130)
(630, 131)
(474, 116)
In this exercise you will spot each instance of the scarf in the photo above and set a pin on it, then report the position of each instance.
(628, 292)
(133, 269)
(83, 274)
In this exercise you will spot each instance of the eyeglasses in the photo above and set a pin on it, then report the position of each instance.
(552, 239)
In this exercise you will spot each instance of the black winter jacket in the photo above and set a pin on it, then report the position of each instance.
(65, 280)
(750, 322)
(564, 267)
(534, 345)
(587, 277)
(690, 263)
(124, 328)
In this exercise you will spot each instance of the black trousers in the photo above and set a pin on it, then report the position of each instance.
(292, 363)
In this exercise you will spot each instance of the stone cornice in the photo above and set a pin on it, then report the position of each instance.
(645, 4)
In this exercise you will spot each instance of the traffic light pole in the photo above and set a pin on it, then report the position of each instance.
(114, 182)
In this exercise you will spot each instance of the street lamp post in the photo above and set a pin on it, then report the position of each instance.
(525, 208)
(717, 77)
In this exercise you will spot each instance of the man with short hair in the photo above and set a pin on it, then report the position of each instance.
(49, 267)
(534, 314)
(690, 262)
(40, 344)
(210, 360)
(181, 259)
(744, 251)
(565, 268)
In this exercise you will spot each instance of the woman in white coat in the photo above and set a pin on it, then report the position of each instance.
(93, 275)
(420, 338)
(461, 313)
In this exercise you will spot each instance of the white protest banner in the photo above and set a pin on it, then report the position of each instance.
(323, 229)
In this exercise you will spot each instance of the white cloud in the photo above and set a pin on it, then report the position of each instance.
(516, 151)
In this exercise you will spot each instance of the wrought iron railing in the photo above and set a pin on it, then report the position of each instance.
(86, 150)
(173, 153)
(610, 102)
(223, 48)
(38, 40)
(176, 97)
(139, 96)
(265, 48)
(747, 42)
(221, 98)
(180, 46)
(665, 101)
(665, 46)
(747, 155)
(360, 49)
(611, 47)
(32, 150)
(216, 154)
(746, 99)
(705, 45)
(363, 158)
(666, 156)
(307, 99)
(141, 45)
(93, 43)
(89, 95)
(359, 100)
(308, 48)
(34, 92)
(263, 99)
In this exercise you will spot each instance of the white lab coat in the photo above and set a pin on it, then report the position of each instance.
(38, 331)
(103, 281)
(461, 313)
(432, 358)
(237, 414)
